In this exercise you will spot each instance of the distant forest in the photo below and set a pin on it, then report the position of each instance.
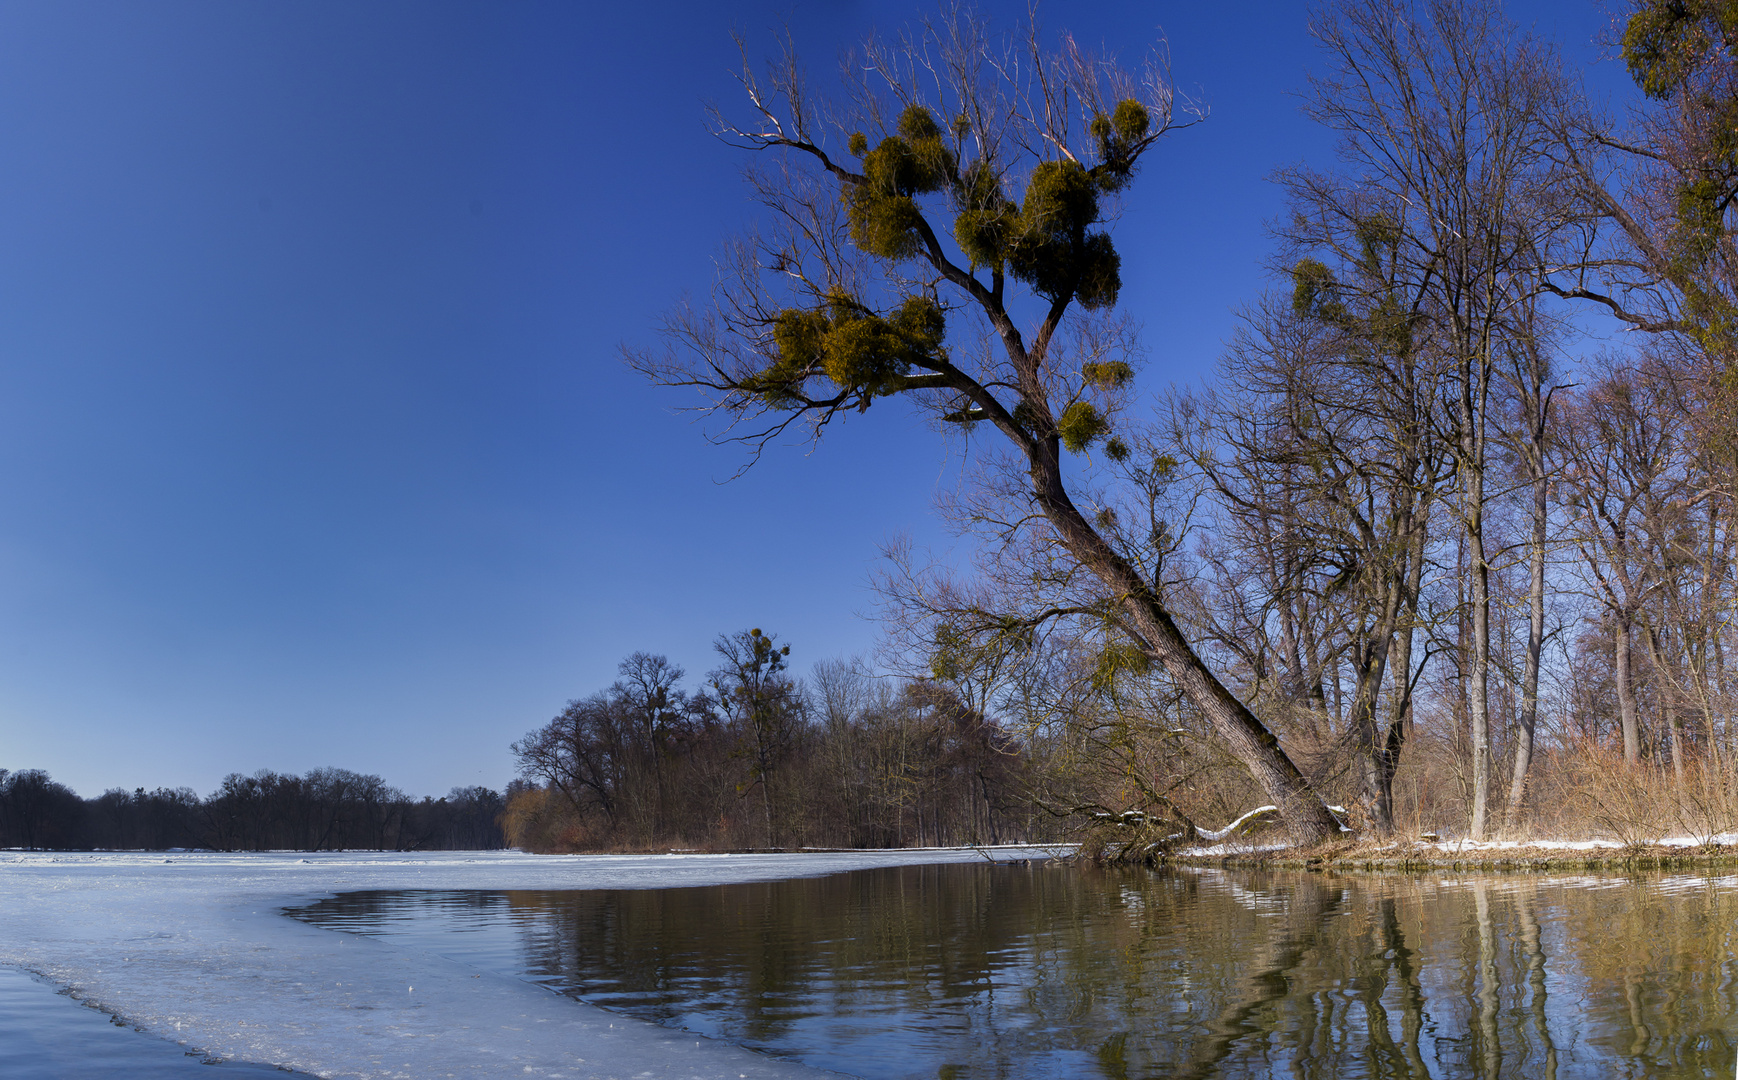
(757, 758)
(325, 810)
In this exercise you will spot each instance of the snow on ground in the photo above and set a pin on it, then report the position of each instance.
(1576, 845)
(192, 946)
(1457, 847)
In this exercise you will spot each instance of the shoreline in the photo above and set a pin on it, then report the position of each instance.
(1541, 857)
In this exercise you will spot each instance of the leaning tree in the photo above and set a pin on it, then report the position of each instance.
(939, 231)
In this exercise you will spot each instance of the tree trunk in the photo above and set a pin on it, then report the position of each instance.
(1535, 646)
(1627, 709)
(1306, 818)
(1707, 631)
(661, 810)
(1672, 725)
(766, 805)
(1479, 601)
(1313, 675)
(1377, 771)
(1478, 692)
(1400, 696)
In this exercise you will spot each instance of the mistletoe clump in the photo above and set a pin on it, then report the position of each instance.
(883, 209)
(1107, 374)
(1081, 423)
(1119, 136)
(1046, 241)
(988, 220)
(858, 350)
(1054, 252)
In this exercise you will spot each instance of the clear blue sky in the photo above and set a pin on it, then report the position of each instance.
(316, 446)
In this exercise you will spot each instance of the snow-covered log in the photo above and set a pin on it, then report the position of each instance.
(1145, 847)
(1231, 829)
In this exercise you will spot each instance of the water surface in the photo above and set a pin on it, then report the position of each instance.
(976, 970)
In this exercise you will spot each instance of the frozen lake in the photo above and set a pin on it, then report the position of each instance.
(1054, 972)
(897, 964)
(194, 948)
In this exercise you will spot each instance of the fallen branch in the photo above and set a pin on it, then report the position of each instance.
(1144, 847)
(1231, 830)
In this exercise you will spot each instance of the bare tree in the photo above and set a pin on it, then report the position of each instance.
(1622, 453)
(1441, 110)
(939, 232)
(581, 753)
(1529, 431)
(648, 687)
(1324, 455)
(753, 684)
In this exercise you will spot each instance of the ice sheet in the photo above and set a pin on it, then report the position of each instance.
(43, 1036)
(192, 947)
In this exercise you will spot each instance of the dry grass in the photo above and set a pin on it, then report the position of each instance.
(1593, 794)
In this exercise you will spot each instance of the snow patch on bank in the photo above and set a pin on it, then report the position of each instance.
(193, 947)
(1459, 847)
(1450, 846)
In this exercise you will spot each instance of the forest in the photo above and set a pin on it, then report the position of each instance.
(1446, 545)
(323, 810)
(759, 759)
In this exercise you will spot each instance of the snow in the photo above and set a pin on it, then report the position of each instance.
(1220, 834)
(1450, 847)
(192, 946)
(1572, 845)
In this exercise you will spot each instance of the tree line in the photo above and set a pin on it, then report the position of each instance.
(323, 810)
(1445, 546)
(755, 757)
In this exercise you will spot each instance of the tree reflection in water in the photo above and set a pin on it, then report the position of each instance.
(1051, 970)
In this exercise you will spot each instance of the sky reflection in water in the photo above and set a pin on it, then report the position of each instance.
(972, 970)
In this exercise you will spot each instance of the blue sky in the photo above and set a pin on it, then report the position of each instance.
(316, 445)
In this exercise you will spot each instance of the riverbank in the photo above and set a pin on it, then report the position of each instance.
(1542, 856)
